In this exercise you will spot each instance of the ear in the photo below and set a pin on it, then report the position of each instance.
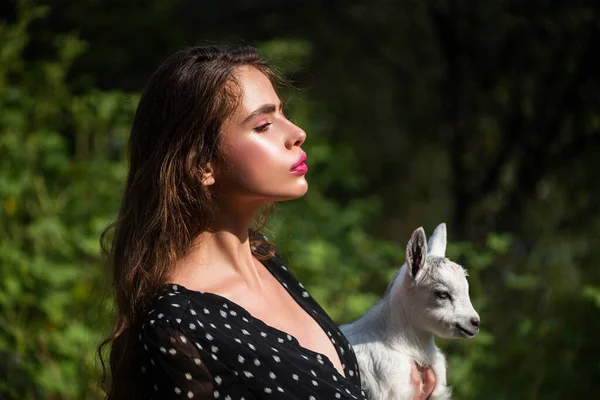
(416, 252)
(437, 241)
(208, 175)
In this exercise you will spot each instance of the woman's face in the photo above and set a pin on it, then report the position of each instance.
(261, 147)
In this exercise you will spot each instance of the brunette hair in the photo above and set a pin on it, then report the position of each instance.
(175, 134)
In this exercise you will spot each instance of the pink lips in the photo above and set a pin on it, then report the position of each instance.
(300, 167)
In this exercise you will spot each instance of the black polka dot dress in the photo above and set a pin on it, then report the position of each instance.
(197, 345)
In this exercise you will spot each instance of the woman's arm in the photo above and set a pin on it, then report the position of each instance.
(176, 365)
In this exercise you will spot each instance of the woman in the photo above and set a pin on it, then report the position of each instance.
(205, 309)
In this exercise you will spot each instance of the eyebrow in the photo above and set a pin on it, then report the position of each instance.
(264, 109)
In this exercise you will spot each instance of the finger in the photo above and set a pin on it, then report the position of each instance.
(415, 381)
(428, 382)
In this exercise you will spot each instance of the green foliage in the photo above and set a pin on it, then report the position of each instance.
(60, 173)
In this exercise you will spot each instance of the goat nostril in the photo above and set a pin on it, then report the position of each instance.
(475, 322)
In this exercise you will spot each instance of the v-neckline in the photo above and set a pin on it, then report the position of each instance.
(217, 298)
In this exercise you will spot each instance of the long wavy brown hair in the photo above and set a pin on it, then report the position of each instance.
(174, 136)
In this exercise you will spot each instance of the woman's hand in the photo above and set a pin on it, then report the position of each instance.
(427, 377)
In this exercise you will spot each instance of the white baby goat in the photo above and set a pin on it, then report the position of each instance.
(428, 296)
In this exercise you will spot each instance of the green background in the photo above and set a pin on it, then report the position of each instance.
(482, 114)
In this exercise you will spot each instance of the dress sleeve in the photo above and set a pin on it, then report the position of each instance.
(176, 365)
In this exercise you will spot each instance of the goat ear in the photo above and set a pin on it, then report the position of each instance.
(416, 252)
(437, 241)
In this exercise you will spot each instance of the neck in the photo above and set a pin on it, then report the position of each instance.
(397, 327)
(224, 249)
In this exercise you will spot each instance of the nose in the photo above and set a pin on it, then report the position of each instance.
(475, 322)
(296, 136)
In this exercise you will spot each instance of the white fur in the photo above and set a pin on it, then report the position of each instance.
(400, 328)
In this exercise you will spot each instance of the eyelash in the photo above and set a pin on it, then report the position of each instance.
(263, 128)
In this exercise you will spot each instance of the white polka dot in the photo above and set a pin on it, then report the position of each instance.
(351, 373)
(159, 316)
(200, 324)
(209, 336)
(251, 346)
(170, 294)
(280, 389)
(218, 379)
(284, 284)
(223, 314)
(304, 294)
(144, 369)
(192, 312)
(274, 349)
(145, 347)
(256, 362)
(177, 390)
(334, 378)
(172, 351)
(283, 267)
(206, 311)
(175, 305)
(240, 359)
(183, 339)
(295, 377)
(263, 334)
(245, 319)
(232, 313)
(197, 361)
(151, 322)
(152, 361)
(198, 345)
(225, 305)
(272, 375)
(178, 320)
(163, 350)
(216, 394)
(248, 374)
(213, 325)
(276, 358)
(303, 356)
(238, 340)
(311, 398)
(245, 332)
(227, 326)
(188, 376)
(214, 356)
(289, 337)
(228, 397)
(313, 372)
(268, 390)
(280, 340)
(301, 285)
(193, 327)
(214, 349)
(314, 382)
(190, 394)
(338, 395)
(155, 388)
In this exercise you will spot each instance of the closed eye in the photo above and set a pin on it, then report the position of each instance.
(263, 128)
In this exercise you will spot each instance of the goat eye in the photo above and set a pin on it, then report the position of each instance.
(442, 295)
